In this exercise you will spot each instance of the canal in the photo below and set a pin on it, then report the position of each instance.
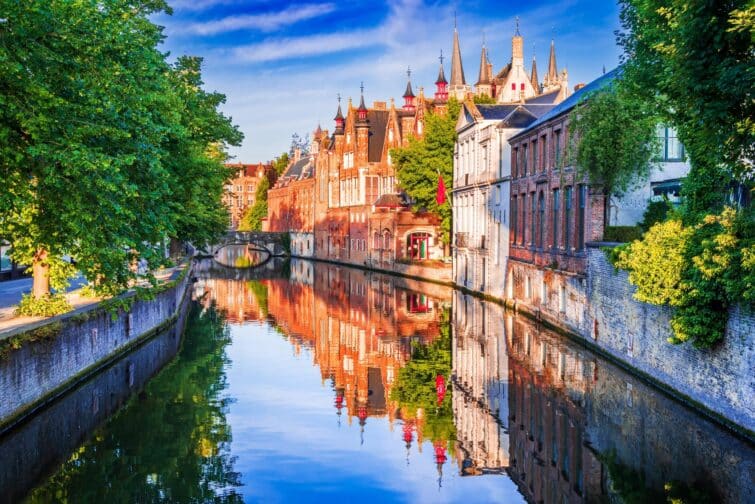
(309, 382)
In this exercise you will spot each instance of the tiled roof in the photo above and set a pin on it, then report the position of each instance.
(548, 98)
(378, 121)
(391, 201)
(568, 104)
(492, 112)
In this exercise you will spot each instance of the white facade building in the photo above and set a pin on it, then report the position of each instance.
(481, 187)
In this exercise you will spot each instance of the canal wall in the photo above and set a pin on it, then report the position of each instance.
(720, 379)
(38, 364)
(36, 449)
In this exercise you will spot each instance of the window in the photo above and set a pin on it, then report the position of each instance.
(521, 86)
(544, 152)
(568, 218)
(557, 149)
(514, 218)
(582, 194)
(524, 160)
(524, 218)
(5, 262)
(670, 147)
(513, 86)
(534, 157)
(533, 219)
(514, 162)
(556, 216)
(541, 223)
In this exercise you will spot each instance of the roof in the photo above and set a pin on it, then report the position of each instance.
(391, 201)
(568, 104)
(493, 112)
(378, 121)
(548, 98)
(300, 170)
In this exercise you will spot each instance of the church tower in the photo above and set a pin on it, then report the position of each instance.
(516, 86)
(458, 87)
(485, 78)
(555, 81)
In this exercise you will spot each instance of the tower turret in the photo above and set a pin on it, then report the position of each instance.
(458, 85)
(441, 84)
(409, 94)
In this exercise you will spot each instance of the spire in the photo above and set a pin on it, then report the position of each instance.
(552, 76)
(442, 75)
(339, 118)
(408, 94)
(362, 110)
(484, 76)
(533, 75)
(441, 90)
(457, 69)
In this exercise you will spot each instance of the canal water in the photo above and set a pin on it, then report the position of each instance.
(309, 382)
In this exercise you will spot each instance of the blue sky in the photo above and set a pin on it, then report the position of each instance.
(281, 64)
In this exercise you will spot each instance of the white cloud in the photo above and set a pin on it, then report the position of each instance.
(200, 5)
(268, 21)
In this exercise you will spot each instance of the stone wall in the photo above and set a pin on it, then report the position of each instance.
(721, 379)
(31, 451)
(64, 350)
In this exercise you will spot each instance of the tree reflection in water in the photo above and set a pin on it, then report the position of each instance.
(184, 456)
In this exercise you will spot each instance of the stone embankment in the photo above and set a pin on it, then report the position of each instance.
(39, 364)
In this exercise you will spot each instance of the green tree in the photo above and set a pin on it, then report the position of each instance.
(484, 100)
(281, 163)
(418, 165)
(692, 60)
(252, 219)
(612, 139)
(106, 149)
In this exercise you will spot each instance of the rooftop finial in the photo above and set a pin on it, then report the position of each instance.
(441, 56)
(338, 96)
(409, 72)
(454, 19)
(361, 87)
(517, 26)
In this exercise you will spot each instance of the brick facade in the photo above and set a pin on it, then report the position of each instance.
(241, 190)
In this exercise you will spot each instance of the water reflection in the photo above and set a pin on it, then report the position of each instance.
(171, 444)
(341, 383)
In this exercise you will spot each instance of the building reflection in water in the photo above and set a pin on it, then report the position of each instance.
(525, 402)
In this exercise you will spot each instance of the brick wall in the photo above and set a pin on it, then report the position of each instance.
(40, 368)
(721, 379)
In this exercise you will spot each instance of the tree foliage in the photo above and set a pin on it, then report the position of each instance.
(106, 149)
(692, 60)
(252, 219)
(700, 270)
(418, 164)
(613, 138)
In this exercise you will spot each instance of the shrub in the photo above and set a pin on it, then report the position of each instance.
(622, 234)
(46, 306)
(655, 212)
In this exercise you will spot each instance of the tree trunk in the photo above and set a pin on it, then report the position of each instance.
(41, 272)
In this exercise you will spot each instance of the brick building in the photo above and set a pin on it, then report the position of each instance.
(342, 202)
(241, 190)
(555, 212)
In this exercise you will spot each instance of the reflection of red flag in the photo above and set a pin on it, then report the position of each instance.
(440, 388)
(441, 196)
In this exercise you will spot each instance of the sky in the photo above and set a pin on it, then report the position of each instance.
(282, 64)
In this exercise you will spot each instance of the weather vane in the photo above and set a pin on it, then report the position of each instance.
(441, 56)
(409, 72)
(517, 26)
(361, 87)
(339, 98)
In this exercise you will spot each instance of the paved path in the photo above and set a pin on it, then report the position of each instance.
(12, 290)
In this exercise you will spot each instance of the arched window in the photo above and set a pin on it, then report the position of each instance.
(386, 239)
(376, 240)
(417, 246)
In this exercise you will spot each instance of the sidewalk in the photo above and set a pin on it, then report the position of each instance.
(11, 292)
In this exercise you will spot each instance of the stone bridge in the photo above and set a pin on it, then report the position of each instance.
(276, 244)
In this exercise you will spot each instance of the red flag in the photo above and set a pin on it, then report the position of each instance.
(441, 196)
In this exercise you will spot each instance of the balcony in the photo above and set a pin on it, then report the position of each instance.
(462, 240)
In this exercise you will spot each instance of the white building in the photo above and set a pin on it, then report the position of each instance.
(482, 174)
